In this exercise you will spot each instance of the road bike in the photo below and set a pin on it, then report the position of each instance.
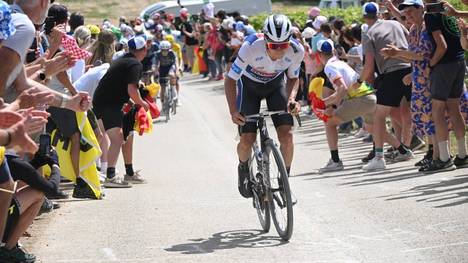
(170, 98)
(269, 180)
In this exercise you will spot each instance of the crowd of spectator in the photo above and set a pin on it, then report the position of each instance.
(66, 88)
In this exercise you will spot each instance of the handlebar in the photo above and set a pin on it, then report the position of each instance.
(255, 117)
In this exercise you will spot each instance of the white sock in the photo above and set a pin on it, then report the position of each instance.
(103, 167)
(461, 147)
(98, 162)
(444, 152)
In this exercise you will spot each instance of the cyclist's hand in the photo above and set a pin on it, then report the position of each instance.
(238, 118)
(294, 107)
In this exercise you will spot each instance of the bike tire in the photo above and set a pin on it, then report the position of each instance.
(260, 202)
(167, 103)
(281, 196)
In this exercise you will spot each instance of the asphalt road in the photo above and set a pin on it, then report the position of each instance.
(190, 211)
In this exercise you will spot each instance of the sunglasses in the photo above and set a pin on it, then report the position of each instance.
(277, 46)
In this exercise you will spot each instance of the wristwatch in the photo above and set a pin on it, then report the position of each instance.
(359, 81)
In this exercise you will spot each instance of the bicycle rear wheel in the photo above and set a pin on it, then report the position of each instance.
(260, 198)
(279, 194)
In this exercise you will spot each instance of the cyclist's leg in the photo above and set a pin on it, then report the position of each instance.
(248, 103)
(277, 100)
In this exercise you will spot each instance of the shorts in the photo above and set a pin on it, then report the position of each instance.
(250, 95)
(5, 175)
(92, 120)
(448, 80)
(111, 116)
(391, 89)
(13, 215)
(357, 107)
(64, 120)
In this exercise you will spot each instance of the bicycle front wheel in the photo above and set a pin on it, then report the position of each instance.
(260, 197)
(279, 194)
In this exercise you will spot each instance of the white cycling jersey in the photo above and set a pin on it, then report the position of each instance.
(254, 62)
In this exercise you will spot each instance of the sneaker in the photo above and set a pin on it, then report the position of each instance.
(102, 177)
(424, 162)
(391, 149)
(58, 195)
(16, 255)
(84, 192)
(135, 179)
(396, 156)
(332, 166)
(368, 139)
(220, 77)
(361, 133)
(244, 184)
(461, 162)
(375, 164)
(416, 143)
(438, 166)
(369, 157)
(116, 182)
(47, 206)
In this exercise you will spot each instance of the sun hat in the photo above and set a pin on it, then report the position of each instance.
(314, 11)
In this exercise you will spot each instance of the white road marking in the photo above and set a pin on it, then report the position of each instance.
(439, 246)
(110, 254)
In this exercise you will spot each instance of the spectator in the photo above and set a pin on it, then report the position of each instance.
(118, 85)
(190, 40)
(76, 20)
(390, 88)
(447, 85)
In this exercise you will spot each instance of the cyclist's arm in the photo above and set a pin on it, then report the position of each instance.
(292, 83)
(292, 87)
(231, 94)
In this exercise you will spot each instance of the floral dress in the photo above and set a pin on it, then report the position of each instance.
(421, 106)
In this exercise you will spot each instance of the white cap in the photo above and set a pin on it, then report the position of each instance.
(136, 43)
(319, 20)
(308, 32)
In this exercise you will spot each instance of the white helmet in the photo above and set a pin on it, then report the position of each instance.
(165, 45)
(277, 28)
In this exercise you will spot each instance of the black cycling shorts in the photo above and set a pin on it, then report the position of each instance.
(391, 89)
(250, 95)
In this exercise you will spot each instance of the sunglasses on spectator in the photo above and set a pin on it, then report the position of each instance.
(277, 46)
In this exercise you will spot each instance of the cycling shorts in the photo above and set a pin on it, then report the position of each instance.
(251, 94)
(13, 215)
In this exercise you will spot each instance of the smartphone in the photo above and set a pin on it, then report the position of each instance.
(435, 8)
(44, 144)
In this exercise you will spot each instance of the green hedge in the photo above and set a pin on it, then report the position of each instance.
(349, 15)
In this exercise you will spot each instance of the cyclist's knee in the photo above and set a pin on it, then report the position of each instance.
(285, 135)
(247, 139)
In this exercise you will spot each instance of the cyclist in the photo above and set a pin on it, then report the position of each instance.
(178, 51)
(166, 66)
(267, 66)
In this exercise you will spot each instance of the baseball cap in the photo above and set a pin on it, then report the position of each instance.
(7, 28)
(319, 20)
(325, 46)
(308, 32)
(137, 43)
(370, 9)
(416, 3)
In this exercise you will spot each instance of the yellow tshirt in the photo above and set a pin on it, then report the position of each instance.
(2, 155)
(177, 49)
(363, 90)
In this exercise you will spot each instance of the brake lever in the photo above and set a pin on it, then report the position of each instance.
(298, 118)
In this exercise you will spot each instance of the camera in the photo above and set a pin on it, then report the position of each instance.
(44, 145)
